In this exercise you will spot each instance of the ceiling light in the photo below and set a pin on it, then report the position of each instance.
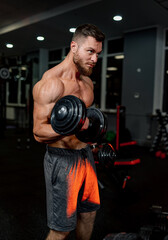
(119, 57)
(117, 18)
(72, 30)
(112, 69)
(9, 45)
(23, 68)
(40, 38)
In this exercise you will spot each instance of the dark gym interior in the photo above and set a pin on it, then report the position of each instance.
(130, 87)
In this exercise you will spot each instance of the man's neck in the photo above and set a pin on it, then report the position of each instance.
(78, 75)
(70, 67)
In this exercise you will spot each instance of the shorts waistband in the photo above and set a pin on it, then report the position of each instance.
(66, 151)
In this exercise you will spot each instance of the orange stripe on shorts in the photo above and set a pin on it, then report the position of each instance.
(82, 171)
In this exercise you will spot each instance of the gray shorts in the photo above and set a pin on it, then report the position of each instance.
(71, 186)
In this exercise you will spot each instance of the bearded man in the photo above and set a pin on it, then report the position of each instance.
(71, 183)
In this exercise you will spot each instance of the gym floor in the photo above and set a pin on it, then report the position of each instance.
(22, 191)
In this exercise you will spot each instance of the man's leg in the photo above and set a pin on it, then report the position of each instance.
(55, 235)
(85, 224)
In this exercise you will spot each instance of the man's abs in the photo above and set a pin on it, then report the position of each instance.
(68, 142)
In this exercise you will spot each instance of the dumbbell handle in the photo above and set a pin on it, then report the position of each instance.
(97, 127)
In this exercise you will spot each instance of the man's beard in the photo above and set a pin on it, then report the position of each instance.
(79, 64)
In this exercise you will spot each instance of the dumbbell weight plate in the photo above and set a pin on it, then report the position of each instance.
(4, 73)
(97, 127)
(106, 154)
(68, 115)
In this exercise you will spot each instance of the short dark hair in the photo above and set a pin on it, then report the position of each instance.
(88, 30)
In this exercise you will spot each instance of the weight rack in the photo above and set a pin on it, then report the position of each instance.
(160, 143)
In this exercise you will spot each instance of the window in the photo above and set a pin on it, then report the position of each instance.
(13, 86)
(113, 81)
(114, 73)
(55, 57)
(16, 86)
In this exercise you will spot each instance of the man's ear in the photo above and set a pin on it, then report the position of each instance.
(74, 46)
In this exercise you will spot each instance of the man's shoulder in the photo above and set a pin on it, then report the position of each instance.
(48, 87)
(51, 74)
(49, 77)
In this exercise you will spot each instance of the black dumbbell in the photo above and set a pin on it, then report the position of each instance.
(69, 115)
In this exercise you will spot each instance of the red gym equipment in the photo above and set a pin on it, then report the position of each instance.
(111, 157)
(128, 162)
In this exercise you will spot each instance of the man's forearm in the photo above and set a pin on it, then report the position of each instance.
(45, 134)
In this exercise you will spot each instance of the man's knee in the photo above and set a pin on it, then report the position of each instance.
(56, 235)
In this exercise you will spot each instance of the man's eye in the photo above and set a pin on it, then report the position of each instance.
(90, 51)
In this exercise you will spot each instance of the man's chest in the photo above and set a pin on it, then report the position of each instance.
(80, 90)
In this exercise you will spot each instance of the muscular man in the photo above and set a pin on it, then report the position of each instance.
(70, 174)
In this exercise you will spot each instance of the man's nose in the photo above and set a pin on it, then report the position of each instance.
(94, 58)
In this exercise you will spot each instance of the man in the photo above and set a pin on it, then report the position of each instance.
(70, 174)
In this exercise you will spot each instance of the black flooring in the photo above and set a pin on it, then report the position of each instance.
(22, 192)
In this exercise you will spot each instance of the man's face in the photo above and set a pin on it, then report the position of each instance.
(86, 55)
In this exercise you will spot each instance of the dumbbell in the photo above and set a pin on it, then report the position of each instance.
(106, 154)
(69, 115)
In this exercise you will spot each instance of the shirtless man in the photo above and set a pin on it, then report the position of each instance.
(70, 174)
